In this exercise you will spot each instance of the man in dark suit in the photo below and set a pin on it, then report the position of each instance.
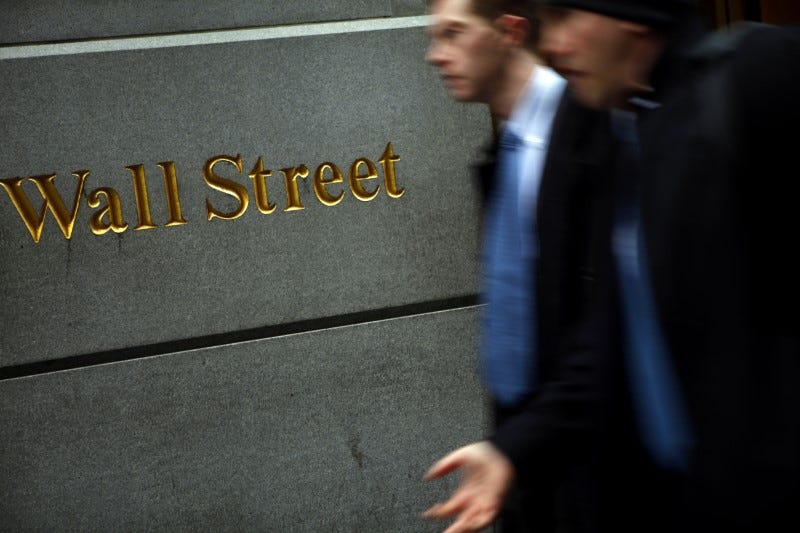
(703, 292)
(536, 276)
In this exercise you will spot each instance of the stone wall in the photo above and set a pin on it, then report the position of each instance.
(238, 264)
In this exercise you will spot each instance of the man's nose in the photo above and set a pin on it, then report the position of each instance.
(434, 55)
(553, 41)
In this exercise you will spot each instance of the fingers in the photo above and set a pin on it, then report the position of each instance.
(457, 503)
(487, 474)
(473, 519)
(470, 516)
(467, 524)
(448, 463)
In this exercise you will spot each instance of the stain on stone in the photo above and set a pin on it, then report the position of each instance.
(357, 454)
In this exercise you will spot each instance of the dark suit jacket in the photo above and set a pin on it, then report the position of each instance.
(719, 190)
(720, 193)
(719, 207)
(560, 412)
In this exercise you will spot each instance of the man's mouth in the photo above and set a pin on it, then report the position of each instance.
(449, 80)
(569, 73)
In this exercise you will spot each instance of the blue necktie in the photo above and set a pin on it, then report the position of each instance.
(509, 247)
(658, 402)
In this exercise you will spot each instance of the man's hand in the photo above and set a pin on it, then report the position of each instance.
(486, 477)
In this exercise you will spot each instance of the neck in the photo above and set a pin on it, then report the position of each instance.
(521, 65)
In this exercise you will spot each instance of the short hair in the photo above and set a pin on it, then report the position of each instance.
(527, 9)
(491, 9)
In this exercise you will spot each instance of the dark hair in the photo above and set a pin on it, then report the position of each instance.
(491, 9)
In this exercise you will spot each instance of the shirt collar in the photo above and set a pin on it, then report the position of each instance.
(542, 87)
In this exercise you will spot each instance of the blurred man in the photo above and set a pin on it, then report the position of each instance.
(703, 415)
(535, 256)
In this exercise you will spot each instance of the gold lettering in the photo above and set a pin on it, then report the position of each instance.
(356, 179)
(387, 161)
(52, 200)
(173, 198)
(259, 177)
(113, 209)
(290, 176)
(108, 214)
(320, 183)
(226, 186)
(142, 198)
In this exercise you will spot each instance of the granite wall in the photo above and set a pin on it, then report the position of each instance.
(238, 264)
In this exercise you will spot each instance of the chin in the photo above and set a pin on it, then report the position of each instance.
(590, 99)
(462, 96)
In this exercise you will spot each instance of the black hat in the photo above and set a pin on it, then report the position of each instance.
(656, 13)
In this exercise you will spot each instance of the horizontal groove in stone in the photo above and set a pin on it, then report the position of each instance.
(253, 334)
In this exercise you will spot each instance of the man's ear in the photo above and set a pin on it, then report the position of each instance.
(515, 29)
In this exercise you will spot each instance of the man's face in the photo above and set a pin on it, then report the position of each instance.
(592, 51)
(467, 49)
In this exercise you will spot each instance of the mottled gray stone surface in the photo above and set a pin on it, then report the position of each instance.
(325, 431)
(54, 20)
(410, 7)
(329, 430)
(293, 101)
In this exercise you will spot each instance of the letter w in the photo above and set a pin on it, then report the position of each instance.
(52, 200)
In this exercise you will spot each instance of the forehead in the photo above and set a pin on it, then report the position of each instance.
(453, 10)
(555, 15)
(459, 15)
